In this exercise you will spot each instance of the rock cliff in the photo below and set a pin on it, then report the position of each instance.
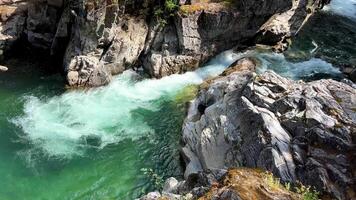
(97, 39)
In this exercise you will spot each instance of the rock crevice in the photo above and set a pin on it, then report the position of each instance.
(123, 35)
(294, 129)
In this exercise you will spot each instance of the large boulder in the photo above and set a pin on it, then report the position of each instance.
(87, 71)
(299, 131)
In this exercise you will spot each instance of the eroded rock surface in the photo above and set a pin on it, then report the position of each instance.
(203, 29)
(128, 34)
(299, 131)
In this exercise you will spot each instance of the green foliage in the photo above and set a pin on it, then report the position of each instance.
(307, 193)
(272, 182)
(163, 13)
(156, 180)
(171, 6)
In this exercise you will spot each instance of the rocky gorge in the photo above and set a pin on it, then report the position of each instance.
(244, 120)
(299, 131)
(100, 39)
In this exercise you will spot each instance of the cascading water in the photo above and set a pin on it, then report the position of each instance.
(62, 125)
(91, 144)
(343, 7)
(68, 124)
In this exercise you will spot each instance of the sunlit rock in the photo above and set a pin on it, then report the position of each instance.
(276, 124)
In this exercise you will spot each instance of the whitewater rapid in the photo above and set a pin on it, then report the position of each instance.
(304, 70)
(345, 8)
(62, 124)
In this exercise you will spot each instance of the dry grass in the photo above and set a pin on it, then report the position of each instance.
(205, 5)
(252, 184)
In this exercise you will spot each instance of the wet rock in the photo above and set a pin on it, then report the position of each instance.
(294, 129)
(120, 36)
(91, 140)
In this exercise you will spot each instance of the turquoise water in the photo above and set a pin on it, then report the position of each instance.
(92, 144)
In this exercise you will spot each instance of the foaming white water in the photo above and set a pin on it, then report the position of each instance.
(295, 70)
(343, 7)
(61, 124)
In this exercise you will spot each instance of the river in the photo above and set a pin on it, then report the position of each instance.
(95, 143)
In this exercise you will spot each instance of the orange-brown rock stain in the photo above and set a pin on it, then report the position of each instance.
(249, 184)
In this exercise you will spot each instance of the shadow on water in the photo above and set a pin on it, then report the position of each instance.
(326, 36)
(166, 122)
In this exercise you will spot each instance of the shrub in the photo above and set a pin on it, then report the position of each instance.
(163, 13)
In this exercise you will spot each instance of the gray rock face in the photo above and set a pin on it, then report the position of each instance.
(299, 131)
(121, 36)
(128, 41)
(105, 33)
(12, 22)
(87, 71)
(41, 24)
(203, 28)
(195, 35)
(283, 25)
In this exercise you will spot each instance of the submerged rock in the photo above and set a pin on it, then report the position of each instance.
(91, 140)
(299, 131)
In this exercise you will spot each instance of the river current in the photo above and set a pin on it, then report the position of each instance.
(95, 143)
